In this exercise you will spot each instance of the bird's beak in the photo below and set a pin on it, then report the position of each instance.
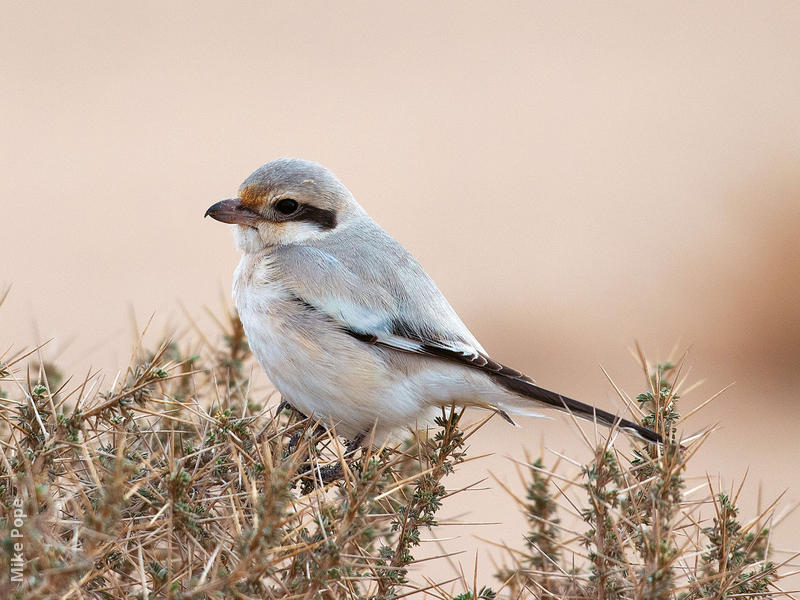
(232, 211)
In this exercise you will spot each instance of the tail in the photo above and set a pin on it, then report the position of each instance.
(528, 389)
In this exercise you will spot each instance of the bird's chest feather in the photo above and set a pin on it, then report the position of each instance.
(290, 342)
(317, 367)
(264, 306)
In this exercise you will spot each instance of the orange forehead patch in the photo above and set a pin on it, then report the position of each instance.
(251, 197)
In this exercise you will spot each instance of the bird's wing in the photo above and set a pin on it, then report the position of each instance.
(399, 308)
(372, 288)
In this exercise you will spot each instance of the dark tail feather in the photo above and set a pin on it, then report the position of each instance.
(579, 409)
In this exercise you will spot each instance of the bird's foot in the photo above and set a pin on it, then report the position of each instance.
(284, 405)
(294, 440)
(322, 476)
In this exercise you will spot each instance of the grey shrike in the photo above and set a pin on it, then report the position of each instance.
(347, 325)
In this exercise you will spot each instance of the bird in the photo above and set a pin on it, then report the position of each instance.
(346, 323)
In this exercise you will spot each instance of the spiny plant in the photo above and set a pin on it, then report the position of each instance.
(181, 481)
(644, 535)
(184, 478)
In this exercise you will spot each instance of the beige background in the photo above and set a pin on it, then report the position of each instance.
(575, 176)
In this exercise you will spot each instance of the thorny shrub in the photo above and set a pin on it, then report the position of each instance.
(178, 481)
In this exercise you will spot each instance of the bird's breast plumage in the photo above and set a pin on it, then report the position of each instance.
(318, 368)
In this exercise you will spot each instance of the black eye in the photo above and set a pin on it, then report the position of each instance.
(286, 206)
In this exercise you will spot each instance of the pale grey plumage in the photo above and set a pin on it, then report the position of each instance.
(349, 276)
(346, 323)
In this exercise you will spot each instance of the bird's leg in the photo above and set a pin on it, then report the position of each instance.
(335, 472)
(355, 443)
(294, 440)
(295, 437)
(282, 406)
(327, 474)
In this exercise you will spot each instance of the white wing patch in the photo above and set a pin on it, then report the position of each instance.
(357, 317)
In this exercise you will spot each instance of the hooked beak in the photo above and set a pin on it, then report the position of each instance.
(232, 211)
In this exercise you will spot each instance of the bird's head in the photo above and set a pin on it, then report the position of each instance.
(286, 201)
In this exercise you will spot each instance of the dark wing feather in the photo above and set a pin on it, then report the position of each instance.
(509, 378)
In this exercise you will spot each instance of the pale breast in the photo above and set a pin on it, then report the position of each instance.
(264, 307)
(315, 365)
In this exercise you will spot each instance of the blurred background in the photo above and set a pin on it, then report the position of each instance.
(575, 177)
